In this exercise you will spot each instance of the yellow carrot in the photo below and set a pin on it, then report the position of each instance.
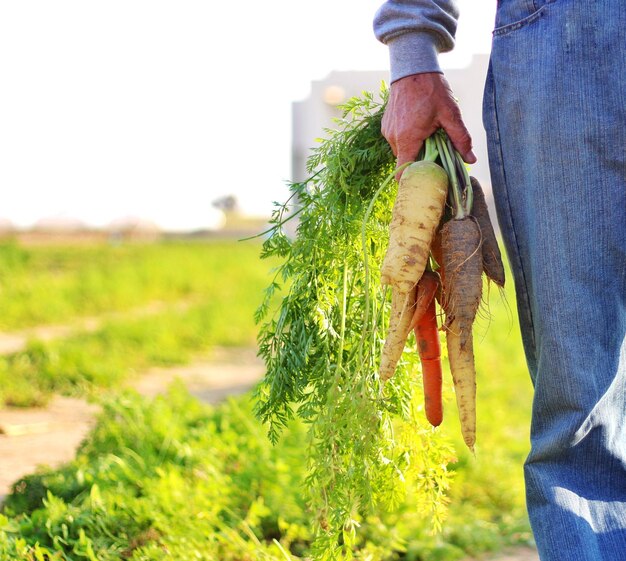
(416, 214)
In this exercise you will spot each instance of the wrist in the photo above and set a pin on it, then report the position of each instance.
(413, 53)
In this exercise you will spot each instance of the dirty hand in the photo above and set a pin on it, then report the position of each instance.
(419, 105)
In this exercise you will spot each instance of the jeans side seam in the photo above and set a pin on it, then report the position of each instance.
(509, 214)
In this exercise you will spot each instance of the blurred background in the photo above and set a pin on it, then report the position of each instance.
(139, 140)
(145, 113)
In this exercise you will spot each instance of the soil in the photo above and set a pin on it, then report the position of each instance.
(211, 379)
(512, 554)
(33, 437)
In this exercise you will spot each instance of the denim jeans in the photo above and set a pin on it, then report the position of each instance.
(555, 115)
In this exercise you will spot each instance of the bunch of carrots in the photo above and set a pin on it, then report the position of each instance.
(441, 241)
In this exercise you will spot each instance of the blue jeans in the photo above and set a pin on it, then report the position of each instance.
(555, 115)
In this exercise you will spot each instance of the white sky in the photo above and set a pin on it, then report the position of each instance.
(156, 108)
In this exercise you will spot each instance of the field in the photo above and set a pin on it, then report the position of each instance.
(198, 296)
(173, 478)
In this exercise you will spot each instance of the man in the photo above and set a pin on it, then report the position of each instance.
(555, 114)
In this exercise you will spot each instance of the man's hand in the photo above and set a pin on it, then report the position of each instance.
(418, 105)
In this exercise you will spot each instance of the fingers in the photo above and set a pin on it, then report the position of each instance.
(405, 143)
(418, 105)
(406, 156)
(451, 120)
(460, 137)
(407, 148)
(406, 114)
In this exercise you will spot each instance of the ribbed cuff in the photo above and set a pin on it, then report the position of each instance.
(413, 53)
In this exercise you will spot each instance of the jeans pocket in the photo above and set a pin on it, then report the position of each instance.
(515, 14)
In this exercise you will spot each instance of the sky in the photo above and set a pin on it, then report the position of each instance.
(154, 108)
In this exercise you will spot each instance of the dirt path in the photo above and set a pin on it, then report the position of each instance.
(50, 436)
(512, 554)
(226, 372)
(31, 437)
(16, 341)
(524, 554)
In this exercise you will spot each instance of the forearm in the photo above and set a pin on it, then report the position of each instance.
(416, 31)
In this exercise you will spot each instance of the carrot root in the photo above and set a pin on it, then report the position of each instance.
(492, 258)
(462, 287)
(402, 306)
(461, 359)
(426, 289)
(416, 214)
(429, 347)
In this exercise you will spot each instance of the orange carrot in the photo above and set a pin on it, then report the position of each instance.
(426, 289)
(429, 346)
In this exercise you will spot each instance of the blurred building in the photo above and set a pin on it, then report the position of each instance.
(59, 224)
(57, 229)
(315, 113)
(311, 115)
(133, 228)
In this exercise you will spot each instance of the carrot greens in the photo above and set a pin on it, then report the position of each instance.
(367, 440)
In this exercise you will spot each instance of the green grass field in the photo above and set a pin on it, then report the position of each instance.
(55, 284)
(172, 479)
(220, 282)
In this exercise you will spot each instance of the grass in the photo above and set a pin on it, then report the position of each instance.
(231, 278)
(171, 478)
(55, 284)
(165, 479)
(115, 353)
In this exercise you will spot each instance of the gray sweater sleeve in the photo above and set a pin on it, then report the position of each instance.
(416, 31)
